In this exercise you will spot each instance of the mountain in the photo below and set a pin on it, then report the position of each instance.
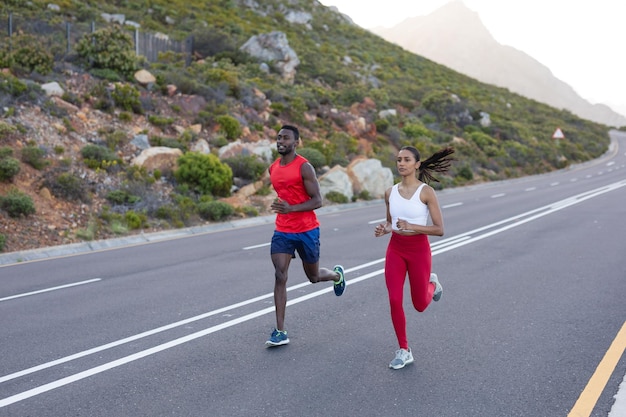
(455, 36)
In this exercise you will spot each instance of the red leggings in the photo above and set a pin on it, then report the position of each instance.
(407, 254)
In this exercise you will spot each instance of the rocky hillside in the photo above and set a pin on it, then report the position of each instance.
(98, 134)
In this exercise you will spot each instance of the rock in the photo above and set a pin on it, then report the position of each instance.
(337, 179)
(53, 89)
(369, 175)
(274, 48)
(144, 77)
(158, 157)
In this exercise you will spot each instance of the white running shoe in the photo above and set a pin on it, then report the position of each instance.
(438, 287)
(403, 357)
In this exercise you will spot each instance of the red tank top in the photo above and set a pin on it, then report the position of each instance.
(288, 183)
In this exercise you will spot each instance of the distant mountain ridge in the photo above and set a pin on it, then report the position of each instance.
(454, 36)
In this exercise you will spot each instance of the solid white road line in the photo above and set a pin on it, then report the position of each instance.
(60, 287)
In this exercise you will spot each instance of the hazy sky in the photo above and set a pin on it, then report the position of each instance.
(583, 42)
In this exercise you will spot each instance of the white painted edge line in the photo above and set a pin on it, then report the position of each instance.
(60, 287)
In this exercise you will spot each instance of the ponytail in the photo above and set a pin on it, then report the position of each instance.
(439, 162)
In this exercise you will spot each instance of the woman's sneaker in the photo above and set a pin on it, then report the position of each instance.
(278, 338)
(403, 358)
(438, 287)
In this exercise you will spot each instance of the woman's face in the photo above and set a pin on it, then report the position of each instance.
(406, 163)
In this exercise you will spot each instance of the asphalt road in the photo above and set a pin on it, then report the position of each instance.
(534, 279)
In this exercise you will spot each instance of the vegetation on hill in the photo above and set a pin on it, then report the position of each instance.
(345, 73)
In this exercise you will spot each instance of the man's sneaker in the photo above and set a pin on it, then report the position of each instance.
(278, 338)
(403, 357)
(339, 286)
(438, 287)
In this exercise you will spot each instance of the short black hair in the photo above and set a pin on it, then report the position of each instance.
(296, 132)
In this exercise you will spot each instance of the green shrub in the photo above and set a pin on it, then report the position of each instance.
(17, 203)
(382, 125)
(264, 190)
(465, 172)
(229, 126)
(214, 210)
(97, 156)
(5, 130)
(34, 156)
(248, 167)
(135, 220)
(12, 85)
(3, 241)
(315, 157)
(126, 97)
(9, 168)
(204, 173)
(160, 121)
(106, 74)
(5, 151)
(110, 48)
(168, 142)
(68, 186)
(248, 211)
(121, 197)
(29, 54)
(336, 197)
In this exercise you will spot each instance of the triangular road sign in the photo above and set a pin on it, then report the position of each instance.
(558, 134)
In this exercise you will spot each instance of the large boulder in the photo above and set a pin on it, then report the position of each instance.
(337, 179)
(362, 175)
(369, 175)
(274, 48)
(158, 157)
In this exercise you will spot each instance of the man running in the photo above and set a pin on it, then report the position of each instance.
(297, 226)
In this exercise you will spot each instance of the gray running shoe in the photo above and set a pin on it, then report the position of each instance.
(438, 287)
(403, 357)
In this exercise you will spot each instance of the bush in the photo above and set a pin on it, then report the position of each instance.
(315, 157)
(336, 197)
(126, 97)
(97, 156)
(6, 130)
(34, 156)
(204, 173)
(110, 48)
(3, 241)
(121, 197)
(135, 220)
(248, 167)
(68, 186)
(215, 210)
(28, 54)
(160, 121)
(17, 203)
(9, 168)
(229, 126)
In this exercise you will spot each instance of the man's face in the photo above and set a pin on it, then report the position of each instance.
(285, 142)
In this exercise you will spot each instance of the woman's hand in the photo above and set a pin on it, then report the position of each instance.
(382, 229)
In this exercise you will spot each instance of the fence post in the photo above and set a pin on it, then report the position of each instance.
(136, 38)
(10, 29)
(67, 37)
(189, 47)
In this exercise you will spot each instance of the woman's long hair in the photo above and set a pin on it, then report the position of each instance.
(439, 162)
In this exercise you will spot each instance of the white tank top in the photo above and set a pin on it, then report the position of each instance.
(413, 210)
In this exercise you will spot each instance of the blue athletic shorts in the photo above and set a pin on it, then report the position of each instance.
(307, 244)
